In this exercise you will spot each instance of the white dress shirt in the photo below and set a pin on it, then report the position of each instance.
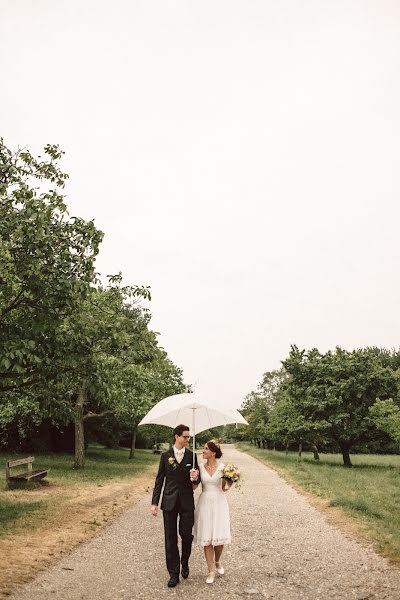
(179, 454)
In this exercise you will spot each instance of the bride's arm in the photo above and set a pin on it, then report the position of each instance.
(226, 485)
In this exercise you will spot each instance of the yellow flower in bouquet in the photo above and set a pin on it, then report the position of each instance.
(231, 473)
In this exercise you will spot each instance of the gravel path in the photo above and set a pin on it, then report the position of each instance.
(281, 548)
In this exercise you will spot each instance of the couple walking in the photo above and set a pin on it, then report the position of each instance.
(211, 518)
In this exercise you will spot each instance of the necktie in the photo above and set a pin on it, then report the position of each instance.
(179, 455)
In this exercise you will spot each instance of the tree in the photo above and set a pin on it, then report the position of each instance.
(46, 265)
(109, 330)
(259, 404)
(386, 416)
(141, 386)
(335, 391)
(286, 424)
(69, 348)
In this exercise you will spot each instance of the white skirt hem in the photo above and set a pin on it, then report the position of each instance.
(222, 542)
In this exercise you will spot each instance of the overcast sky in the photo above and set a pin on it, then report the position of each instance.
(242, 158)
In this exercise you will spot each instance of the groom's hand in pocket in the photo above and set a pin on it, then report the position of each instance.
(154, 510)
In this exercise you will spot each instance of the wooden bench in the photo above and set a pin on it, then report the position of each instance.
(156, 449)
(30, 473)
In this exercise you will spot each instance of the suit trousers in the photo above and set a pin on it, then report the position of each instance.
(186, 522)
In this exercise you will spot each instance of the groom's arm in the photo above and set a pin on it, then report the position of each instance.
(197, 467)
(158, 486)
(198, 480)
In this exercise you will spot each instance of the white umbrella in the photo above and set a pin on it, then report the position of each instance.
(193, 410)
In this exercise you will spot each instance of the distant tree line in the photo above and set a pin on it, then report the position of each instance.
(75, 354)
(340, 401)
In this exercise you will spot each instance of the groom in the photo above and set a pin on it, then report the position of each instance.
(180, 481)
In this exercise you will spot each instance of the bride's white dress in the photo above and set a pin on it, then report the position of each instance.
(211, 517)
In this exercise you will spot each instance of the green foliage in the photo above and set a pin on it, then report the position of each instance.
(233, 433)
(46, 265)
(260, 404)
(71, 350)
(106, 329)
(286, 423)
(140, 386)
(155, 434)
(215, 433)
(386, 416)
(23, 412)
(336, 390)
(319, 399)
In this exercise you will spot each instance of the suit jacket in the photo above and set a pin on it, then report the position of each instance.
(177, 481)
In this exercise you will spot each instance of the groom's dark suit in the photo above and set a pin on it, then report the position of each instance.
(177, 500)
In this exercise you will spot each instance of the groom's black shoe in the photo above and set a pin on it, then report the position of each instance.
(173, 580)
(185, 571)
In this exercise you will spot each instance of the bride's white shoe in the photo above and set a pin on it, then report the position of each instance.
(220, 570)
(211, 577)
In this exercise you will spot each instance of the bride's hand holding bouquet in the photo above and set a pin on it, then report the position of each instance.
(230, 475)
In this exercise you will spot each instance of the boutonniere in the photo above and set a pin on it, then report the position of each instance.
(172, 462)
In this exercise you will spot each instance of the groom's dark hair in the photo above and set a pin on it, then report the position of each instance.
(179, 429)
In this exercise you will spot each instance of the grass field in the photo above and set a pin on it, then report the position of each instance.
(24, 504)
(39, 522)
(368, 494)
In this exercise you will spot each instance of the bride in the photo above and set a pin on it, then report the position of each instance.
(212, 525)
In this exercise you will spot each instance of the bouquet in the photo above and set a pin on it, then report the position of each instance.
(231, 474)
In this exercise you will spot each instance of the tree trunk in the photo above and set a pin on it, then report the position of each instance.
(133, 442)
(315, 452)
(80, 430)
(300, 448)
(287, 447)
(345, 448)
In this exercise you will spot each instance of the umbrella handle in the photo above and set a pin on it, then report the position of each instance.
(194, 438)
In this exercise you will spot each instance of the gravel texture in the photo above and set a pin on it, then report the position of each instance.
(281, 548)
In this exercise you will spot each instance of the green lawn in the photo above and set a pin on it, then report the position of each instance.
(102, 466)
(11, 512)
(369, 493)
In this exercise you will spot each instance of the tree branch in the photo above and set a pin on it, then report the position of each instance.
(90, 415)
(16, 386)
(11, 374)
(16, 302)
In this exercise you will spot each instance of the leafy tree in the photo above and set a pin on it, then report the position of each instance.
(386, 416)
(18, 416)
(287, 424)
(259, 404)
(141, 386)
(110, 328)
(69, 351)
(335, 391)
(155, 435)
(46, 265)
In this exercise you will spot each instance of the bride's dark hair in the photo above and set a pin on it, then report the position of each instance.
(214, 447)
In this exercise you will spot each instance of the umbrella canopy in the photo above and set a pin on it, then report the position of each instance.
(191, 409)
